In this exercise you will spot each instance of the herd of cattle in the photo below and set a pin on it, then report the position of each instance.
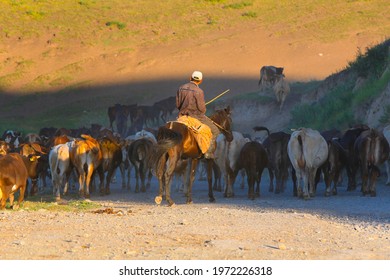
(70, 156)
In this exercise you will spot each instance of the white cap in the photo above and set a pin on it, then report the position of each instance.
(197, 76)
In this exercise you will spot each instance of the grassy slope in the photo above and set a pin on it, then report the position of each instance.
(122, 26)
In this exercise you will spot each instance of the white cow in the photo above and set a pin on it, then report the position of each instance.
(227, 154)
(307, 151)
(60, 168)
(386, 133)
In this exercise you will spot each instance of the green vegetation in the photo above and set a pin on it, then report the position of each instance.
(48, 202)
(337, 108)
(119, 25)
(127, 26)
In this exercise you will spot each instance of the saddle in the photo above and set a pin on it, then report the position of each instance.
(202, 132)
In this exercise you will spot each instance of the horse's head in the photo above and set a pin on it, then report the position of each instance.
(224, 122)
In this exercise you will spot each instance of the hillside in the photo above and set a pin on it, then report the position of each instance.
(64, 64)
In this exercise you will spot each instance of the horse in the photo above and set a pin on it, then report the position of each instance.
(176, 141)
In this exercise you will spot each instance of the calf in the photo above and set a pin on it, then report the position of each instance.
(253, 158)
(13, 177)
(372, 150)
(307, 151)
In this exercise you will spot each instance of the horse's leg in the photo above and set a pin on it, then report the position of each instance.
(160, 176)
(193, 166)
(173, 158)
(210, 179)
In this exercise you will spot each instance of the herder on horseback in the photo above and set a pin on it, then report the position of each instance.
(190, 102)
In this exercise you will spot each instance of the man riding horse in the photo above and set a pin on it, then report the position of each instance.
(190, 102)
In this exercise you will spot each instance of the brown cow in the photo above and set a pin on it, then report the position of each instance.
(372, 150)
(86, 157)
(38, 170)
(13, 177)
(111, 157)
(4, 148)
(253, 158)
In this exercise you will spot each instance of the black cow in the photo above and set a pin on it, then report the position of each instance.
(269, 75)
(372, 150)
(253, 158)
(347, 142)
(279, 162)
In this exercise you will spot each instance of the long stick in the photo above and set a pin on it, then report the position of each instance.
(208, 102)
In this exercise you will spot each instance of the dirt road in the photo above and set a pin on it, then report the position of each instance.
(273, 227)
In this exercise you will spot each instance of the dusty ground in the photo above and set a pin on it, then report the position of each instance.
(273, 227)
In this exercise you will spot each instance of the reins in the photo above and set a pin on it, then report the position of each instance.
(218, 125)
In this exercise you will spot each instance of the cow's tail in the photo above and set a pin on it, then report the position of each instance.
(261, 128)
(301, 159)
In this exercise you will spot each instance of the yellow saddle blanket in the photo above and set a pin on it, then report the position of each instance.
(201, 131)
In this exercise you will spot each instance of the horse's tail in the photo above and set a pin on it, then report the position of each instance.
(166, 139)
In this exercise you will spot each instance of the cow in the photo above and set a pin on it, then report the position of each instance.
(253, 158)
(308, 151)
(33, 138)
(139, 153)
(269, 75)
(165, 107)
(347, 142)
(120, 114)
(227, 154)
(60, 167)
(13, 139)
(13, 177)
(111, 150)
(386, 134)
(149, 114)
(4, 147)
(278, 160)
(281, 89)
(335, 163)
(38, 170)
(372, 150)
(86, 157)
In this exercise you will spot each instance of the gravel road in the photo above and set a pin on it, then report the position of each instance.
(272, 227)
